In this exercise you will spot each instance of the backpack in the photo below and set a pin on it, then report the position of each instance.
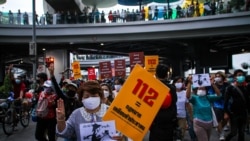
(43, 104)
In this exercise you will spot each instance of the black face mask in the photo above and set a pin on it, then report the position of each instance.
(71, 93)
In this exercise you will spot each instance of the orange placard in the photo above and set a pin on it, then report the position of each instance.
(137, 103)
(151, 63)
(76, 69)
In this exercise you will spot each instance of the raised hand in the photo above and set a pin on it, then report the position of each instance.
(51, 69)
(60, 110)
(190, 79)
(212, 81)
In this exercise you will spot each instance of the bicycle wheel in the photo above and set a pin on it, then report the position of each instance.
(24, 118)
(7, 123)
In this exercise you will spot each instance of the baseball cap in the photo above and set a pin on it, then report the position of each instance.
(72, 84)
(67, 81)
(47, 83)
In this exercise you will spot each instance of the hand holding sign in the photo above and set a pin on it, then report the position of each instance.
(201, 80)
(139, 94)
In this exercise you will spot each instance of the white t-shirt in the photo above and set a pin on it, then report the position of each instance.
(181, 101)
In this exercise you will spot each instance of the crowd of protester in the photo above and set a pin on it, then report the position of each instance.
(188, 107)
(147, 13)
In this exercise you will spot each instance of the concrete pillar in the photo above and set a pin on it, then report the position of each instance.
(61, 61)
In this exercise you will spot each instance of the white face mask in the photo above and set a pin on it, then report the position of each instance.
(217, 79)
(106, 94)
(118, 87)
(201, 92)
(178, 85)
(91, 103)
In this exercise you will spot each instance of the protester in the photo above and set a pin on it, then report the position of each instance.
(108, 93)
(19, 92)
(91, 95)
(218, 106)
(237, 105)
(46, 115)
(181, 104)
(70, 100)
(40, 79)
(118, 85)
(165, 122)
(202, 113)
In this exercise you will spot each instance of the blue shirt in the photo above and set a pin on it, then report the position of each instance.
(220, 102)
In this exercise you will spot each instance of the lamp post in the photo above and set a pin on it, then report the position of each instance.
(33, 47)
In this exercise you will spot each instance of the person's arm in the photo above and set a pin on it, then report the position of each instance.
(54, 82)
(216, 89)
(11, 75)
(188, 91)
(189, 111)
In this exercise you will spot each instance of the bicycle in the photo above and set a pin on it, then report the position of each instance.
(15, 113)
(4, 112)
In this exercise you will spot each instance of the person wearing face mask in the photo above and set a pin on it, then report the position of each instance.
(117, 86)
(18, 89)
(68, 96)
(237, 106)
(64, 84)
(230, 79)
(40, 79)
(181, 104)
(202, 113)
(18, 86)
(45, 125)
(218, 105)
(91, 95)
(108, 94)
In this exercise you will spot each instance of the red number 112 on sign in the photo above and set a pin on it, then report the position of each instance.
(144, 92)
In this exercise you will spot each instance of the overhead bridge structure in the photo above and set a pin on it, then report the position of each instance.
(173, 40)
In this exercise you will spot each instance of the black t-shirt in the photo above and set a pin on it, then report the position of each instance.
(166, 118)
(234, 103)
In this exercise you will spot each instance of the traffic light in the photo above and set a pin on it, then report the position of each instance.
(49, 60)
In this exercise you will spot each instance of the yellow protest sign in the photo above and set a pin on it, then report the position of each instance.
(151, 63)
(76, 69)
(137, 103)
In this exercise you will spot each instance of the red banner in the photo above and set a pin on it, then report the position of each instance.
(136, 58)
(120, 68)
(91, 74)
(105, 69)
